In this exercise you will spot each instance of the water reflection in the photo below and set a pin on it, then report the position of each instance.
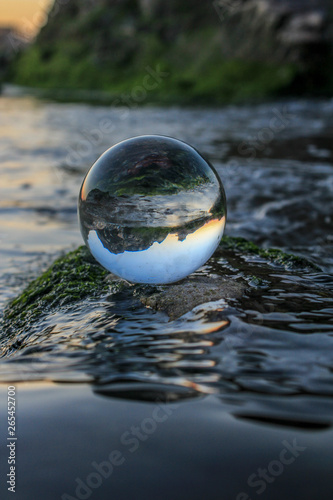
(162, 262)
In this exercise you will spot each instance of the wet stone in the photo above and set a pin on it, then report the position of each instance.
(180, 298)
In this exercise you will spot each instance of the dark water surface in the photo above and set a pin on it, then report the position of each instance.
(245, 384)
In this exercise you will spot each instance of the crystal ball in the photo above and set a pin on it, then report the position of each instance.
(152, 209)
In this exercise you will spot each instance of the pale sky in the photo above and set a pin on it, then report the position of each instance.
(25, 15)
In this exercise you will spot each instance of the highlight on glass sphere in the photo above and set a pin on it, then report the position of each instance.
(152, 210)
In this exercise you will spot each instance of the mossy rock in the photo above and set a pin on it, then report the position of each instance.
(77, 276)
(274, 255)
(69, 279)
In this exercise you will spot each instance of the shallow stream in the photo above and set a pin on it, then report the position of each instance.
(239, 378)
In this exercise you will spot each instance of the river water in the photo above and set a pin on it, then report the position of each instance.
(238, 382)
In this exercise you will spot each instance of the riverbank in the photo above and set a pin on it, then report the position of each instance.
(152, 52)
(219, 83)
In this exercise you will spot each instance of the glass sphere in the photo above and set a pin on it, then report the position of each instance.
(152, 209)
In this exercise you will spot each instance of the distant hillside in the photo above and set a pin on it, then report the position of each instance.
(188, 51)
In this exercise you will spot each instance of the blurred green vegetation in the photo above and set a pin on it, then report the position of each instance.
(109, 49)
(68, 66)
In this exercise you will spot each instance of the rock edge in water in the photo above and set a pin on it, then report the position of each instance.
(76, 276)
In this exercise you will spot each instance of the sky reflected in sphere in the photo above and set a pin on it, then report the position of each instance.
(152, 210)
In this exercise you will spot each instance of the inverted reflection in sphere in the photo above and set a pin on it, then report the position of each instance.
(152, 209)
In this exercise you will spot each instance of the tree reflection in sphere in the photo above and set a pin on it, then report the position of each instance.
(152, 210)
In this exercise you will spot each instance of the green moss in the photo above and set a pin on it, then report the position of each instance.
(275, 255)
(255, 281)
(69, 279)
